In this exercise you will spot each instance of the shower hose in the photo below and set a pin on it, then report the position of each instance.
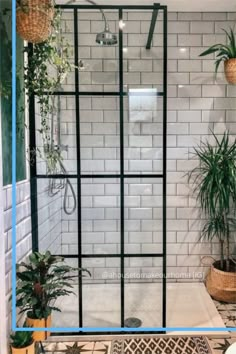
(68, 186)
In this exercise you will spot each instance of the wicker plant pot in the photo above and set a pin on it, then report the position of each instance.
(35, 323)
(27, 350)
(230, 70)
(34, 20)
(221, 285)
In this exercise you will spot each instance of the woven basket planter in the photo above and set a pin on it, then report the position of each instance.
(34, 20)
(221, 285)
(230, 70)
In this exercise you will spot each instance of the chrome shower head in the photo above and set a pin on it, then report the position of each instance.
(106, 37)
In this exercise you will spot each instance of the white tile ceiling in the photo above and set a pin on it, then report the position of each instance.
(175, 5)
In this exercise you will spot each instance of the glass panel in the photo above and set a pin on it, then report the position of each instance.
(143, 132)
(59, 134)
(143, 291)
(58, 231)
(143, 215)
(101, 293)
(49, 216)
(100, 63)
(143, 68)
(100, 141)
(69, 242)
(69, 305)
(100, 216)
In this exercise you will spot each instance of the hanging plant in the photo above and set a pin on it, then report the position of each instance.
(34, 19)
(225, 53)
(46, 70)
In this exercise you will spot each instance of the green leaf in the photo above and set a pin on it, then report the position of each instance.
(211, 50)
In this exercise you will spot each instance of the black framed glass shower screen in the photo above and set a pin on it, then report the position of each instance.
(111, 118)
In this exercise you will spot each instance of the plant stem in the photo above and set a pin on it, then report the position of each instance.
(227, 252)
(222, 254)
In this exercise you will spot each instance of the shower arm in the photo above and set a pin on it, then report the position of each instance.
(93, 3)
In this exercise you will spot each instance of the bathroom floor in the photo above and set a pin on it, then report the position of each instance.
(136, 345)
(143, 344)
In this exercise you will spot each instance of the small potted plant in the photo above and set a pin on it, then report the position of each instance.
(225, 53)
(40, 283)
(214, 181)
(34, 19)
(22, 342)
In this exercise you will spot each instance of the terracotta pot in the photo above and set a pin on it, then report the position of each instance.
(27, 350)
(221, 285)
(230, 70)
(34, 20)
(36, 323)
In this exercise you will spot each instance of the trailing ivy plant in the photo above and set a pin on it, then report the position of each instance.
(45, 71)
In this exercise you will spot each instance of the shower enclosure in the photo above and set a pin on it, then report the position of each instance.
(111, 115)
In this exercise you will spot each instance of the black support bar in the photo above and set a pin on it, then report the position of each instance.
(79, 206)
(103, 93)
(33, 167)
(122, 183)
(152, 25)
(164, 193)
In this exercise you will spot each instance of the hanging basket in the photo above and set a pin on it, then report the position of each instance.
(230, 70)
(34, 19)
(221, 285)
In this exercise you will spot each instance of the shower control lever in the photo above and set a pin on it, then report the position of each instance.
(61, 147)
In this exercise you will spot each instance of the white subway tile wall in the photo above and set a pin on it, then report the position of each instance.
(23, 232)
(198, 103)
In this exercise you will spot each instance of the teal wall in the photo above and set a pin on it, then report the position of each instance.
(6, 106)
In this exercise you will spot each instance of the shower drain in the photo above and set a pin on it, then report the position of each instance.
(133, 322)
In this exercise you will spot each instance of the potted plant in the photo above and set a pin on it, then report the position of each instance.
(41, 282)
(225, 53)
(34, 19)
(214, 181)
(22, 342)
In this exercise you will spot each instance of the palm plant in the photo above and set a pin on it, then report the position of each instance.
(224, 51)
(214, 181)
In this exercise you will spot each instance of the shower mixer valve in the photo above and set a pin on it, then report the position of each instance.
(62, 147)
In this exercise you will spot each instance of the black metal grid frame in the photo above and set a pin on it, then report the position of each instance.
(121, 176)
